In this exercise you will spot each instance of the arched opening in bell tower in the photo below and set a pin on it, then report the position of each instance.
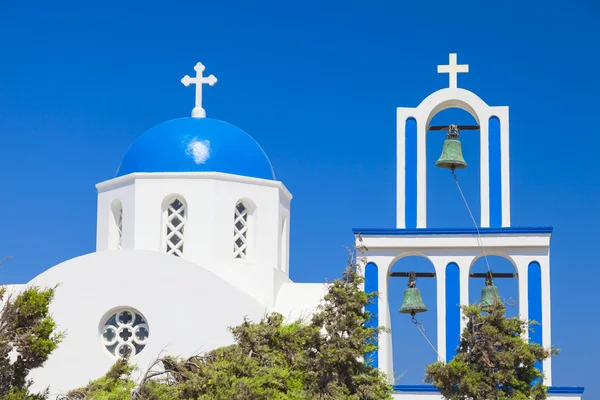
(445, 204)
(505, 279)
(411, 350)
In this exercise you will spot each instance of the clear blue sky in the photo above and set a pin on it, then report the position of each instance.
(316, 83)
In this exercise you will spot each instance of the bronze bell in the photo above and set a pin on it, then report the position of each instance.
(452, 151)
(412, 303)
(489, 294)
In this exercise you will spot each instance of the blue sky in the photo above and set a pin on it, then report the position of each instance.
(316, 84)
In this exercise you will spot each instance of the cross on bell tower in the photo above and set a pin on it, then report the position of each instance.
(199, 80)
(453, 69)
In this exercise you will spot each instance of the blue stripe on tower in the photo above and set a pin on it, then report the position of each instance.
(410, 173)
(452, 310)
(495, 176)
(534, 292)
(371, 285)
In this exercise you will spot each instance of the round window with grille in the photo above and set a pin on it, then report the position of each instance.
(124, 332)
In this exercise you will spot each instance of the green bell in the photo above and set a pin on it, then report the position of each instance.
(489, 294)
(412, 303)
(452, 151)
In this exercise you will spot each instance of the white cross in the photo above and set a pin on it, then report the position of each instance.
(453, 69)
(198, 111)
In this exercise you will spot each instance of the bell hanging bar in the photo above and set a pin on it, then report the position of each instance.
(460, 127)
(471, 275)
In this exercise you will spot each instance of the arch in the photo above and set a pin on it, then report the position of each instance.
(534, 299)
(115, 230)
(495, 181)
(402, 329)
(243, 228)
(452, 309)
(452, 98)
(494, 253)
(507, 285)
(406, 254)
(372, 287)
(285, 245)
(410, 171)
(174, 218)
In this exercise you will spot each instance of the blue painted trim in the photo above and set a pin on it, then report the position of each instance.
(452, 231)
(452, 310)
(433, 389)
(495, 173)
(534, 292)
(410, 173)
(416, 388)
(372, 285)
(566, 389)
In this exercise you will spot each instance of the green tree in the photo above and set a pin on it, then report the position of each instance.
(493, 361)
(27, 337)
(320, 358)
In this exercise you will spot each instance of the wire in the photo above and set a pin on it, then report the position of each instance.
(479, 241)
(421, 329)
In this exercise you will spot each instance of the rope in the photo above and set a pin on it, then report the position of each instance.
(479, 241)
(421, 329)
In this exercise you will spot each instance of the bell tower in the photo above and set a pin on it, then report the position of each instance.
(453, 251)
(414, 123)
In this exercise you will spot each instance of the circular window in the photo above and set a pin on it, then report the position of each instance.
(124, 333)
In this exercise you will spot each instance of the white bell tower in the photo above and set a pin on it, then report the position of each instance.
(453, 251)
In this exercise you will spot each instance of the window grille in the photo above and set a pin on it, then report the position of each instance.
(240, 231)
(175, 225)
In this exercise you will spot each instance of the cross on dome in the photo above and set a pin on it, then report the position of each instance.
(199, 80)
(453, 69)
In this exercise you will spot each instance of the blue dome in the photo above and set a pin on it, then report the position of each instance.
(197, 145)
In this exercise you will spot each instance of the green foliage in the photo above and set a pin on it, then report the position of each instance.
(117, 384)
(27, 337)
(318, 359)
(493, 361)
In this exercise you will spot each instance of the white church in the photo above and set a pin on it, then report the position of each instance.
(196, 214)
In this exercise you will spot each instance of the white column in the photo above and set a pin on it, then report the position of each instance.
(484, 170)
(385, 355)
(421, 172)
(505, 164)
(546, 320)
(440, 275)
(401, 115)
(464, 267)
(523, 279)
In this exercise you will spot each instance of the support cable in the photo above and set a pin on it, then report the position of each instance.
(479, 241)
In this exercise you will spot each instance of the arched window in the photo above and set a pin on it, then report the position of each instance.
(284, 244)
(116, 225)
(174, 217)
(240, 230)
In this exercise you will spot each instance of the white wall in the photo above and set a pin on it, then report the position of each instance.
(210, 199)
(188, 310)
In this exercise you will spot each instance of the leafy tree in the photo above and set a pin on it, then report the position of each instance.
(493, 360)
(321, 358)
(117, 384)
(27, 337)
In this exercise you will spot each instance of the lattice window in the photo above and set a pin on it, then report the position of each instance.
(125, 333)
(119, 226)
(115, 229)
(240, 231)
(175, 225)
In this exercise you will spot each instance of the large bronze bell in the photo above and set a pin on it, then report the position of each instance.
(452, 151)
(412, 303)
(489, 294)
